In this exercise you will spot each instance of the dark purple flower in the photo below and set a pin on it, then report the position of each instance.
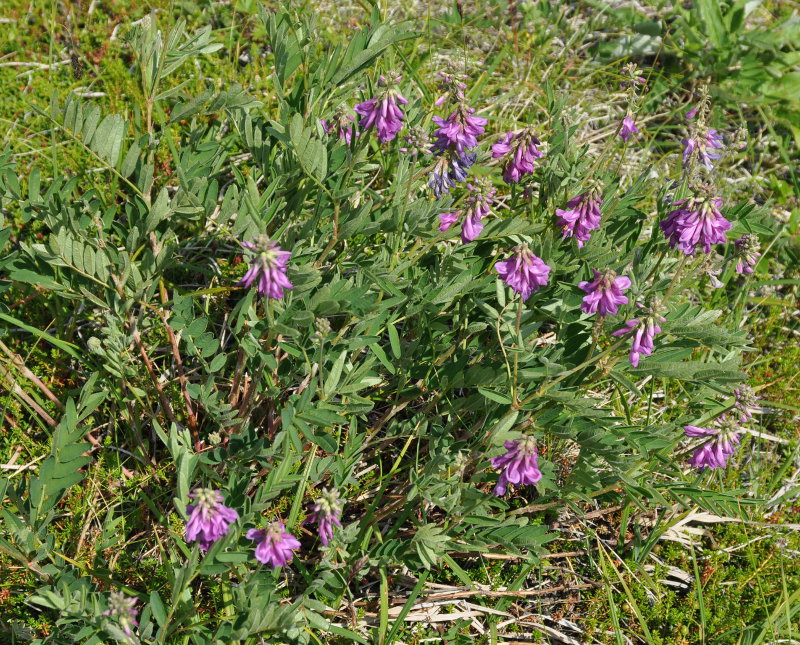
(122, 609)
(697, 221)
(209, 518)
(341, 123)
(267, 268)
(520, 464)
(459, 131)
(719, 445)
(521, 153)
(702, 146)
(604, 293)
(581, 216)
(644, 331)
(382, 111)
(450, 168)
(628, 128)
(275, 544)
(326, 512)
(746, 252)
(745, 398)
(523, 271)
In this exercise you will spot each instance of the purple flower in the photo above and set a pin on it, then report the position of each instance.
(326, 513)
(479, 201)
(447, 220)
(628, 128)
(644, 331)
(275, 544)
(460, 130)
(632, 76)
(746, 253)
(523, 271)
(122, 608)
(520, 465)
(697, 221)
(382, 111)
(581, 216)
(209, 518)
(718, 446)
(702, 146)
(267, 268)
(450, 167)
(604, 293)
(521, 151)
(452, 85)
(745, 398)
(343, 123)
(691, 113)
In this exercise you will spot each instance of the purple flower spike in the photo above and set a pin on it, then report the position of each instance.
(342, 123)
(382, 111)
(523, 271)
(450, 168)
(209, 518)
(267, 268)
(275, 544)
(326, 513)
(718, 446)
(460, 130)
(479, 201)
(745, 398)
(581, 216)
(697, 221)
(122, 609)
(628, 128)
(746, 252)
(520, 465)
(604, 293)
(702, 145)
(521, 153)
(644, 330)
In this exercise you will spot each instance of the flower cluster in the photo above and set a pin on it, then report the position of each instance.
(209, 518)
(581, 216)
(274, 544)
(267, 268)
(604, 293)
(644, 330)
(326, 512)
(478, 207)
(700, 146)
(382, 111)
(342, 124)
(746, 253)
(520, 464)
(696, 222)
(523, 271)
(123, 610)
(718, 444)
(520, 152)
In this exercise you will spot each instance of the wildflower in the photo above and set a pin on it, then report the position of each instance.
(460, 130)
(718, 446)
(452, 85)
(122, 609)
(701, 145)
(745, 398)
(644, 330)
(326, 513)
(521, 151)
(342, 123)
(604, 293)
(417, 142)
(523, 271)
(447, 220)
(275, 544)
(697, 221)
(382, 111)
(632, 76)
(520, 464)
(746, 253)
(628, 128)
(450, 167)
(581, 216)
(691, 113)
(267, 268)
(479, 201)
(209, 518)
